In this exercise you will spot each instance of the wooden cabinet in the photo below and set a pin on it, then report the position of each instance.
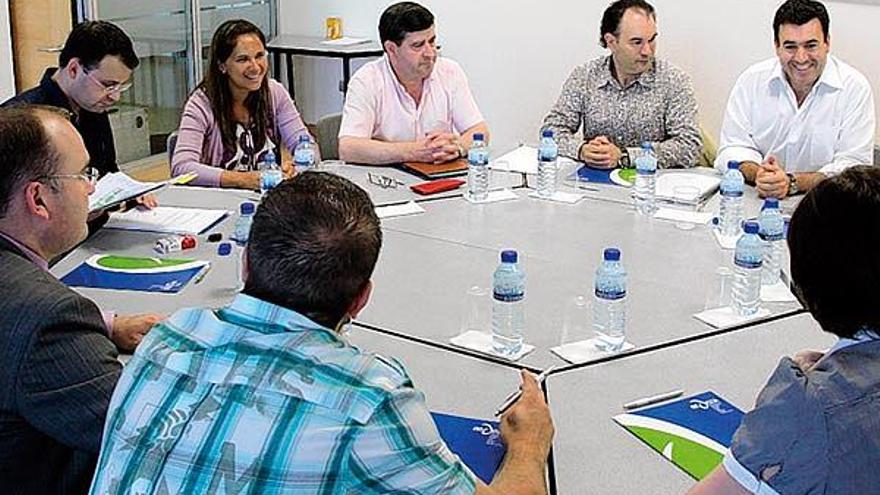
(39, 28)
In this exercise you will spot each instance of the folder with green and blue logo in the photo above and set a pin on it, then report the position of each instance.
(694, 432)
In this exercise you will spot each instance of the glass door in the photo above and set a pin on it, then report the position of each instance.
(172, 59)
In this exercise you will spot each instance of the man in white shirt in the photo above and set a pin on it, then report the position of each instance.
(410, 105)
(795, 119)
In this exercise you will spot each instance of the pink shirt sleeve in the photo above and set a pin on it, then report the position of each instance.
(465, 113)
(194, 126)
(359, 112)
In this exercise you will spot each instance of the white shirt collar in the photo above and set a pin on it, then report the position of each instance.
(830, 74)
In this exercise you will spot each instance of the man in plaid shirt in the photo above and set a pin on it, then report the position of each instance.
(266, 396)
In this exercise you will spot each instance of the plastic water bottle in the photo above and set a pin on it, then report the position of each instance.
(644, 197)
(270, 172)
(547, 167)
(731, 211)
(227, 254)
(747, 260)
(508, 311)
(771, 229)
(242, 230)
(609, 308)
(304, 155)
(478, 169)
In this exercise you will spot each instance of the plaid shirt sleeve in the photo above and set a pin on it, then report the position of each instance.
(400, 450)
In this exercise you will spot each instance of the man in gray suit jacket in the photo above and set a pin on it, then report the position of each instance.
(58, 352)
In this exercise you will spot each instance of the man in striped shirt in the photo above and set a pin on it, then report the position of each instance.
(266, 396)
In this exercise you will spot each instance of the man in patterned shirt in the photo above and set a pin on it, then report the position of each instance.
(626, 98)
(265, 395)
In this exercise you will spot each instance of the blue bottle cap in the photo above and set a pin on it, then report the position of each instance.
(478, 136)
(508, 256)
(547, 133)
(247, 208)
(304, 138)
(647, 145)
(733, 165)
(751, 227)
(224, 249)
(612, 254)
(771, 203)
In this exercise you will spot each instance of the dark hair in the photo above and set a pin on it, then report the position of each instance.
(800, 12)
(313, 246)
(402, 18)
(91, 41)
(26, 152)
(215, 84)
(833, 239)
(614, 13)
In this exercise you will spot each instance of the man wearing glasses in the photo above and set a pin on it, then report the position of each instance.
(796, 118)
(58, 351)
(410, 105)
(95, 68)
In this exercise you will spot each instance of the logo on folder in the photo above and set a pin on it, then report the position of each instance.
(694, 432)
(133, 273)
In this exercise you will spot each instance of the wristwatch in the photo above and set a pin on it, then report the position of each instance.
(792, 185)
(624, 161)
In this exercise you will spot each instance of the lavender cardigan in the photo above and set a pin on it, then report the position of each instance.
(199, 143)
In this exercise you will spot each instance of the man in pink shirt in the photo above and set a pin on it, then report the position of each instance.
(409, 105)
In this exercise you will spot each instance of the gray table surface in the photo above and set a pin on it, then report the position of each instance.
(402, 192)
(595, 455)
(430, 260)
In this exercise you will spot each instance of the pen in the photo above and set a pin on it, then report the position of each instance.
(201, 275)
(512, 398)
(647, 401)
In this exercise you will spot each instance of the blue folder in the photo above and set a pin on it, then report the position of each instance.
(694, 433)
(477, 442)
(162, 278)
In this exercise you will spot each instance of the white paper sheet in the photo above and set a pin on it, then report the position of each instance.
(482, 342)
(399, 210)
(167, 219)
(523, 159)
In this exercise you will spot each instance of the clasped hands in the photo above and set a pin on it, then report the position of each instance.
(771, 180)
(600, 152)
(438, 147)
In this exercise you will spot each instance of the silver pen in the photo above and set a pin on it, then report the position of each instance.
(512, 398)
(654, 399)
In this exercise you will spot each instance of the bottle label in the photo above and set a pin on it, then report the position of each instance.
(508, 297)
(732, 194)
(478, 158)
(303, 158)
(747, 263)
(610, 295)
(771, 237)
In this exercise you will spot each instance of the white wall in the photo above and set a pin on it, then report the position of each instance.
(518, 53)
(7, 77)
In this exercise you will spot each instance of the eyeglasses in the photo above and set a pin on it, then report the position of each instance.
(89, 176)
(384, 181)
(109, 88)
